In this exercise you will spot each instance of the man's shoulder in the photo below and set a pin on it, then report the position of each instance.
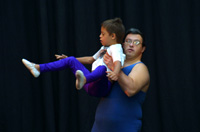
(139, 66)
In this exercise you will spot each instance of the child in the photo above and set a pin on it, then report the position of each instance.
(95, 83)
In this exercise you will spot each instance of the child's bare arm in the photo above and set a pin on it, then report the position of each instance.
(113, 75)
(83, 60)
(86, 60)
(117, 67)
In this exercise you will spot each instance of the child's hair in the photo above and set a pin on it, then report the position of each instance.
(115, 26)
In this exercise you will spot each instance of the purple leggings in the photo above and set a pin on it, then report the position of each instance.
(97, 83)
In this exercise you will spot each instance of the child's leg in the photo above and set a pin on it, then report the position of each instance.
(69, 62)
(32, 67)
(98, 73)
(97, 83)
(99, 88)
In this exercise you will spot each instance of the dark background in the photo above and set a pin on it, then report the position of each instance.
(38, 29)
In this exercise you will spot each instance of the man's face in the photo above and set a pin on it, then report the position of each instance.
(133, 45)
(105, 38)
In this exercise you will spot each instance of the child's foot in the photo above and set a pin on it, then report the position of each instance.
(31, 67)
(80, 80)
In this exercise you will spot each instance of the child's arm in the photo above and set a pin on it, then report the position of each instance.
(86, 60)
(59, 57)
(113, 75)
(83, 60)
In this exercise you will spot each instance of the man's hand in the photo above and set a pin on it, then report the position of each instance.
(112, 76)
(59, 57)
(108, 61)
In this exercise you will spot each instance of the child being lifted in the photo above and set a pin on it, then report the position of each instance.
(96, 82)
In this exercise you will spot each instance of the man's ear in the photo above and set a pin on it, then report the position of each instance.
(113, 36)
(143, 49)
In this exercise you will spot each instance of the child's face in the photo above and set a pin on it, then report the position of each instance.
(105, 38)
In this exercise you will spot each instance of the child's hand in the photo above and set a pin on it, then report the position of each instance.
(111, 75)
(59, 57)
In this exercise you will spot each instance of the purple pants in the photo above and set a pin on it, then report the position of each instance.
(97, 83)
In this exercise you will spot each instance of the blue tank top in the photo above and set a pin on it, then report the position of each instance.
(119, 113)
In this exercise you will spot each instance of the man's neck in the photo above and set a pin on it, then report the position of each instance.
(130, 61)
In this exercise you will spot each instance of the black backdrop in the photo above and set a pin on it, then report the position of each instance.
(38, 29)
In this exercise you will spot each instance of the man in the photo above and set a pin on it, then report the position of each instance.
(121, 110)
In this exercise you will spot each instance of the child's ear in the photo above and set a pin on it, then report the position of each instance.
(113, 36)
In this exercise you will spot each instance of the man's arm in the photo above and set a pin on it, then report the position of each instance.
(138, 79)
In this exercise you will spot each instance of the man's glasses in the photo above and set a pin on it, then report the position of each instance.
(130, 41)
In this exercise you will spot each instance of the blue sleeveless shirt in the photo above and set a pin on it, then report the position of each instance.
(119, 113)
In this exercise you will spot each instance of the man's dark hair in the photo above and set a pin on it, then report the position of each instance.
(136, 31)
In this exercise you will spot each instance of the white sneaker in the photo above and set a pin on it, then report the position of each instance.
(31, 67)
(80, 80)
